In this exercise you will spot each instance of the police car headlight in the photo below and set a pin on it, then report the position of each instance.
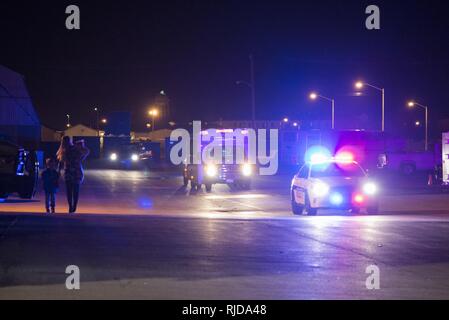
(211, 170)
(134, 157)
(113, 156)
(247, 170)
(370, 188)
(320, 189)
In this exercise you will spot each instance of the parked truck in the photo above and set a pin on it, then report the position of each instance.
(19, 171)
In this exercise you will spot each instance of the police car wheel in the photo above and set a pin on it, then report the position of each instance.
(355, 210)
(408, 169)
(245, 185)
(373, 210)
(297, 209)
(310, 211)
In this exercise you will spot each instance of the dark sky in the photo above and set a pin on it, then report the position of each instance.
(127, 51)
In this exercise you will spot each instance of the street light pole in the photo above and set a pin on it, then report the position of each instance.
(427, 130)
(426, 109)
(68, 120)
(153, 113)
(333, 114)
(98, 120)
(383, 110)
(360, 84)
(314, 96)
(252, 86)
(253, 90)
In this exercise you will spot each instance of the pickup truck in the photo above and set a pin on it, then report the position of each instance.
(409, 162)
(19, 171)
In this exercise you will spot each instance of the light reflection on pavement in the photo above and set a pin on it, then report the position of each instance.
(159, 194)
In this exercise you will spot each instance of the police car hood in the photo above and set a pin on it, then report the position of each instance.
(341, 181)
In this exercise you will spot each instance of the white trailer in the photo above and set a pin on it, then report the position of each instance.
(445, 157)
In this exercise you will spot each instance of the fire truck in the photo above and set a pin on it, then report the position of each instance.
(235, 175)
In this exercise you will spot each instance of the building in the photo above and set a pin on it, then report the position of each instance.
(80, 130)
(19, 121)
(155, 136)
(50, 135)
(241, 124)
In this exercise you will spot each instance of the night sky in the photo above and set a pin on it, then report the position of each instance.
(127, 51)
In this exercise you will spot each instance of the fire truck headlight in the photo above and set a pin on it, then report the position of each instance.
(113, 156)
(247, 170)
(320, 189)
(211, 170)
(370, 188)
(134, 157)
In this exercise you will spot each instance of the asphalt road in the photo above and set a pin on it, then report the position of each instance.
(143, 236)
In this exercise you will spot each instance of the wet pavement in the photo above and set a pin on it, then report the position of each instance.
(141, 235)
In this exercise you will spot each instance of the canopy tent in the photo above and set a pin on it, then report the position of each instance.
(19, 121)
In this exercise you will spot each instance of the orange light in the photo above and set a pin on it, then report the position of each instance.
(358, 198)
(344, 157)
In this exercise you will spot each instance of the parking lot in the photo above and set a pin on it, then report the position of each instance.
(142, 235)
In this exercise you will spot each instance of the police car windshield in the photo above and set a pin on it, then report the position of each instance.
(336, 170)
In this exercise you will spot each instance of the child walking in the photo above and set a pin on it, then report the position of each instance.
(50, 178)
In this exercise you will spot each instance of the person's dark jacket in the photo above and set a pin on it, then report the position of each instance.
(50, 179)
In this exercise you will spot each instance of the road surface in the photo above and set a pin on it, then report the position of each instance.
(141, 235)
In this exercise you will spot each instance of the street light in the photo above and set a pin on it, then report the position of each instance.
(97, 120)
(412, 104)
(252, 86)
(360, 85)
(153, 113)
(104, 120)
(68, 120)
(314, 96)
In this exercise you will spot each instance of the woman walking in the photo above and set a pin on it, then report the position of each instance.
(70, 158)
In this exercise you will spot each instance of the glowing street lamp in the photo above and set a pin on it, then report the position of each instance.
(68, 120)
(412, 104)
(314, 96)
(104, 120)
(285, 120)
(359, 85)
(97, 120)
(153, 113)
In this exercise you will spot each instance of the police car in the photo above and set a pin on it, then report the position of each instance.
(333, 183)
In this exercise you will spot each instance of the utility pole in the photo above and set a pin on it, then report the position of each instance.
(253, 91)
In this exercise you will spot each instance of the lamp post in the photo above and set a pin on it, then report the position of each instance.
(314, 96)
(97, 120)
(360, 85)
(412, 104)
(252, 86)
(68, 120)
(153, 113)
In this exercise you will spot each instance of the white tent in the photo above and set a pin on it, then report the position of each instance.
(16, 107)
